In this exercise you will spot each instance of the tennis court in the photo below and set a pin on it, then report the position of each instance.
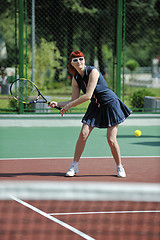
(38, 201)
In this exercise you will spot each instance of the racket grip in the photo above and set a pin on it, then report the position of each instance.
(59, 108)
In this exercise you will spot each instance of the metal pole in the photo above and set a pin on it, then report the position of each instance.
(33, 40)
(124, 29)
(114, 46)
(16, 47)
(26, 33)
(119, 47)
(21, 46)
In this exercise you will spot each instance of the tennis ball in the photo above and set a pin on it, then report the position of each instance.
(137, 133)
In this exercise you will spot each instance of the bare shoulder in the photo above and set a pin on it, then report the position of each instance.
(74, 82)
(94, 73)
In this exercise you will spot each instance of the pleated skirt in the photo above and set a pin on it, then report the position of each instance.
(107, 115)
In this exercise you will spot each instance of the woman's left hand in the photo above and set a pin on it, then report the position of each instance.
(65, 109)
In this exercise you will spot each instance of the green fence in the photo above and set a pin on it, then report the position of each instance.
(119, 37)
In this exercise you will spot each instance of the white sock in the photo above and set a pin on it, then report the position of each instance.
(119, 165)
(75, 163)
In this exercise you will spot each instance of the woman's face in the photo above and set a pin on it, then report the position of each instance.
(78, 63)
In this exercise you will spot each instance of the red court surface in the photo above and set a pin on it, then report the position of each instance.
(52, 219)
(26, 224)
(138, 169)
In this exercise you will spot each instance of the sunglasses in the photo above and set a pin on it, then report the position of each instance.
(80, 59)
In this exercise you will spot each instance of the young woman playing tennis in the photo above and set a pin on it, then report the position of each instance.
(104, 111)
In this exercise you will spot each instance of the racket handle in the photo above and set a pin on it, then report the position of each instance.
(59, 108)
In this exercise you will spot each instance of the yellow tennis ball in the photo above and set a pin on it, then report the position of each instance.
(137, 133)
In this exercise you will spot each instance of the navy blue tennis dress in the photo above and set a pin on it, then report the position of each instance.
(105, 109)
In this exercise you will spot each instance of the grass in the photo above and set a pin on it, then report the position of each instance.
(9, 105)
(64, 94)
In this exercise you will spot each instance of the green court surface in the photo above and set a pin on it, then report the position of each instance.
(48, 142)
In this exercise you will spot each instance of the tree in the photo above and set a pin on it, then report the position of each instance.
(142, 30)
(86, 25)
(7, 30)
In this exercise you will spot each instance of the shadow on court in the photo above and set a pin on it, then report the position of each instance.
(81, 176)
(156, 144)
(138, 169)
(55, 174)
(132, 136)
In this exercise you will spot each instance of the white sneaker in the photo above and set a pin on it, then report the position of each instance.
(120, 171)
(72, 171)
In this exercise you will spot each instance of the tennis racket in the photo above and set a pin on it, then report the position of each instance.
(25, 91)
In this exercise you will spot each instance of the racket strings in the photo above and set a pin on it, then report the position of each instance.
(25, 91)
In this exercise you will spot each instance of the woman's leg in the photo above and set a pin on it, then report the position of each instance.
(81, 142)
(112, 141)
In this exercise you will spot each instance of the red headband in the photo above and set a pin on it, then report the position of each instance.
(75, 54)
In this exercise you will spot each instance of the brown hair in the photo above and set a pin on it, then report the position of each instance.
(75, 54)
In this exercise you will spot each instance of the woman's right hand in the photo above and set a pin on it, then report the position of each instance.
(53, 104)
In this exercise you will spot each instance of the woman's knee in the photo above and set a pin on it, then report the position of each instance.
(85, 132)
(111, 135)
(111, 141)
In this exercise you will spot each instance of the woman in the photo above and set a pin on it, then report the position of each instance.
(105, 110)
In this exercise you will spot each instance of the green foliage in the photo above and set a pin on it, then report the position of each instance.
(143, 51)
(47, 60)
(132, 65)
(88, 24)
(108, 61)
(77, 7)
(137, 98)
(13, 104)
(7, 35)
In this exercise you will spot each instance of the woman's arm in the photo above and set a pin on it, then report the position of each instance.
(76, 100)
(75, 95)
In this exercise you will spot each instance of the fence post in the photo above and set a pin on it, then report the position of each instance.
(33, 40)
(119, 47)
(21, 46)
(123, 45)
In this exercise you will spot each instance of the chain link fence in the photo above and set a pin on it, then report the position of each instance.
(53, 29)
(64, 26)
(142, 34)
(142, 53)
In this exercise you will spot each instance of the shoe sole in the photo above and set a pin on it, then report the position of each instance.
(67, 175)
(121, 176)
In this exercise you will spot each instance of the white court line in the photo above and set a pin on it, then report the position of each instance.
(81, 213)
(61, 158)
(85, 236)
